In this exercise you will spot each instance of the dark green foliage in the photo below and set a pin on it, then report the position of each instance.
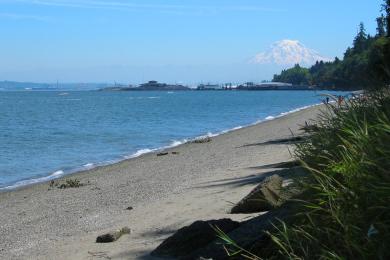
(380, 29)
(386, 9)
(345, 213)
(344, 210)
(379, 62)
(360, 42)
(296, 75)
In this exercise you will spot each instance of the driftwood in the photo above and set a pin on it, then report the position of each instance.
(113, 236)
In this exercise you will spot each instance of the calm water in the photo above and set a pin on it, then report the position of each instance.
(47, 134)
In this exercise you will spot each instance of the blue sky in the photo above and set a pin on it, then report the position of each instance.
(168, 40)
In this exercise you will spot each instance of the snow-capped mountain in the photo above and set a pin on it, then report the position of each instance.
(289, 53)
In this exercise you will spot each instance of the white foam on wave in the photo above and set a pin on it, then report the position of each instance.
(139, 153)
(228, 130)
(209, 134)
(56, 173)
(286, 113)
(88, 165)
(18, 184)
(151, 97)
(177, 143)
(146, 151)
(256, 122)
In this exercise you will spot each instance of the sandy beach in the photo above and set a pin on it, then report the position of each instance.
(200, 181)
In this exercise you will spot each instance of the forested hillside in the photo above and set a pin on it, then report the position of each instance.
(365, 65)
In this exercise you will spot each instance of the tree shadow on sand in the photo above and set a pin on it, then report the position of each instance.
(280, 141)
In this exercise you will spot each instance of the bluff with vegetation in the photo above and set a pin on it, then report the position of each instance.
(343, 211)
(365, 65)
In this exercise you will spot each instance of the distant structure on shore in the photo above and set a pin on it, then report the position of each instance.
(154, 85)
(209, 87)
(149, 86)
(157, 86)
(272, 86)
(226, 86)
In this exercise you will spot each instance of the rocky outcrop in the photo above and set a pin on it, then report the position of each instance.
(193, 237)
(200, 240)
(266, 196)
(250, 235)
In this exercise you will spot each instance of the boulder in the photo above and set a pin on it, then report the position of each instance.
(251, 235)
(193, 237)
(266, 196)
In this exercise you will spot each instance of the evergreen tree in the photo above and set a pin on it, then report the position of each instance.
(359, 43)
(386, 8)
(380, 30)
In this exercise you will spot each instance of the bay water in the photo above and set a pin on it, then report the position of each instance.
(45, 134)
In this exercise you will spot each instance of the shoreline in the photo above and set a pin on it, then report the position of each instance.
(198, 182)
(62, 174)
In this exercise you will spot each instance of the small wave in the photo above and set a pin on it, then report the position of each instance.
(139, 153)
(297, 109)
(144, 97)
(73, 99)
(18, 184)
(236, 128)
(177, 143)
(56, 173)
(88, 165)
(228, 130)
(209, 134)
(286, 113)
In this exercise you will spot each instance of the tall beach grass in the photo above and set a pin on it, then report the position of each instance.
(344, 211)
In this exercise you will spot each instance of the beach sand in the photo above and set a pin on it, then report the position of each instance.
(201, 182)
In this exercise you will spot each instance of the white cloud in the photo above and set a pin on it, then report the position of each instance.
(95, 4)
(15, 16)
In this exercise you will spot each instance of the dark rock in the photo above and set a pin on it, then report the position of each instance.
(193, 237)
(250, 235)
(266, 196)
(70, 183)
(162, 154)
(129, 208)
(112, 236)
(175, 152)
(201, 140)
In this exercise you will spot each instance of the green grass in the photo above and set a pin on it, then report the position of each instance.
(344, 212)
